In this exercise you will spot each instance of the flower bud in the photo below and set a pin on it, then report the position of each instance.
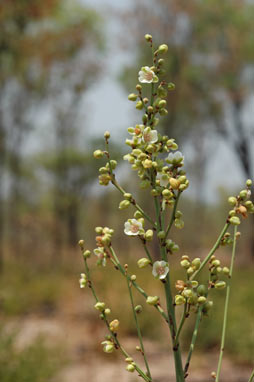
(190, 271)
(149, 235)
(202, 290)
(163, 49)
(180, 285)
(132, 97)
(201, 300)
(148, 37)
(138, 215)
(171, 86)
(129, 360)
(81, 243)
(87, 254)
(207, 306)
(248, 182)
(98, 154)
(179, 223)
(152, 300)
(174, 183)
(196, 263)
(220, 285)
(226, 271)
(187, 293)
(107, 135)
(161, 92)
(161, 235)
(162, 103)
(130, 368)
(167, 194)
(108, 346)
(232, 200)
(185, 264)
(147, 163)
(138, 309)
(106, 239)
(124, 204)
(243, 194)
(133, 277)
(216, 263)
(100, 306)
(179, 299)
(163, 112)
(143, 262)
(114, 326)
(107, 311)
(235, 220)
(139, 105)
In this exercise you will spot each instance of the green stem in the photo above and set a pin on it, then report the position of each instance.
(224, 327)
(138, 329)
(183, 318)
(147, 252)
(138, 369)
(170, 304)
(133, 202)
(117, 264)
(173, 213)
(251, 377)
(193, 341)
(215, 247)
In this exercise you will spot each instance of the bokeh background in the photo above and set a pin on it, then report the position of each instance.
(66, 68)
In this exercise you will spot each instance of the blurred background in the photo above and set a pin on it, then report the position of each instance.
(66, 68)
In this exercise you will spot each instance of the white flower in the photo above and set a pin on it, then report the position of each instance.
(175, 158)
(133, 227)
(147, 75)
(82, 280)
(149, 135)
(160, 269)
(99, 252)
(163, 178)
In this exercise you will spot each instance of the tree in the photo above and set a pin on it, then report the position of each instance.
(41, 44)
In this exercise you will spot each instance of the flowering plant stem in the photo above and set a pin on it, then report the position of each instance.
(170, 305)
(215, 247)
(114, 336)
(138, 328)
(226, 308)
(193, 340)
(251, 377)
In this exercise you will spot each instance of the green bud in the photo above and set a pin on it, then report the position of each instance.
(100, 306)
(243, 194)
(130, 368)
(232, 213)
(202, 290)
(149, 235)
(161, 92)
(87, 254)
(196, 263)
(124, 204)
(143, 262)
(99, 230)
(113, 163)
(163, 49)
(232, 200)
(185, 264)
(161, 235)
(235, 220)
(132, 97)
(226, 271)
(138, 215)
(179, 299)
(162, 103)
(127, 196)
(171, 86)
(144, 184)
(194, 284)
(201, 300)
(249, 183)
(207, 306)
(216, 263)
(138, 309)
(148, 37)
(133, 277)
(179, 223)
(107, 135)
(152, 300)
(106, 239)
(107, 311)
(187, 293)
(139, 105)
(190, 271)
(129, 360)
(161, 61)
(167, 194)
(220, 285)
(98, 154)
(163, 112)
